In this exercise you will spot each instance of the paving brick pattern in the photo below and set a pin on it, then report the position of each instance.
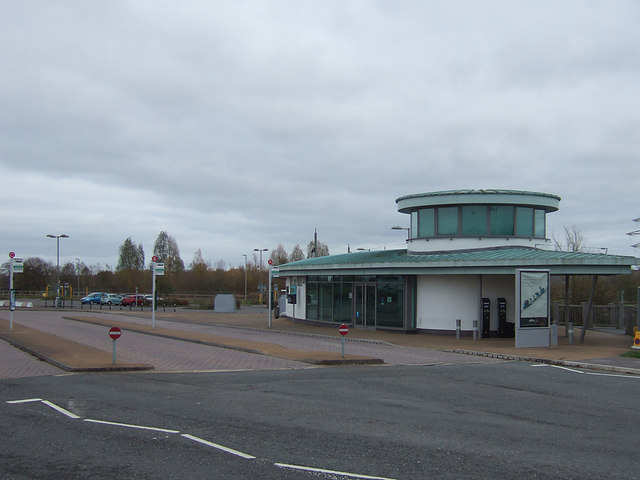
(164, 354)
(173, 355)
(15, 363)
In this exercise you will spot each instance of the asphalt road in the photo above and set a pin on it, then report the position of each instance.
(508, 420)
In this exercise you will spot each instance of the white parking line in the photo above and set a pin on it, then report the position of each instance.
(25, 401)
(331, 472)
(219, 447)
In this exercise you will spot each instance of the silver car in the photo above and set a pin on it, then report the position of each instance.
(111, 299)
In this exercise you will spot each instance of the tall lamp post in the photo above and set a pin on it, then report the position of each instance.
(397, 227)
(261, 286)
(245, 277)
(78, 274)
(58, 237)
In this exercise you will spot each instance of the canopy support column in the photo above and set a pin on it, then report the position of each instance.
(587, 319)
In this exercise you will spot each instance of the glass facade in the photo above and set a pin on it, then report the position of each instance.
(426, 221)
(501, 220)
(539, 224)
(390, 303)
(333, 299)
(524, 222)
(478, 221)
(448, 221)
(474, 220)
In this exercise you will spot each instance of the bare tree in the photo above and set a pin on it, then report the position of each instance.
(573, 241)
(279, 255)
(296, 254)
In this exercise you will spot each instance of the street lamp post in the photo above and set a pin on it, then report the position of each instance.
(78, 275)
(245, 277)
(397, 227)
(261, 286)
(57, 237)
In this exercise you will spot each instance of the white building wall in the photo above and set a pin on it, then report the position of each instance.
(441, 299)
(300, 307)
(464, 243)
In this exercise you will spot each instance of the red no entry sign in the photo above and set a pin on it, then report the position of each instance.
(343, 329)
(115, 333)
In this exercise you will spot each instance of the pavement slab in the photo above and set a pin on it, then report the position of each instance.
(64, 354)
(250, 331)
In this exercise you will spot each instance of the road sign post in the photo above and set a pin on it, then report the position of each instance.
(114, 333)
(343, 330)
(270, 280)
(15, 266)
(158, 269)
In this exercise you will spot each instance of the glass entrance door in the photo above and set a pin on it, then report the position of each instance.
(364, 305)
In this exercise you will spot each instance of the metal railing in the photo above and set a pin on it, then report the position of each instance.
(615, 315)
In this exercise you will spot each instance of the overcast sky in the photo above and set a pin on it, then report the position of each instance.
(244, 124)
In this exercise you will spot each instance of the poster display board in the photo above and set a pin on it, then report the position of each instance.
(533, 300)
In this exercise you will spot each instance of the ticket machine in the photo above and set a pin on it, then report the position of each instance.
(486, 318)
(502, 317)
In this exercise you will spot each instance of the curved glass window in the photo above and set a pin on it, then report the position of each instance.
(414, 224)
(478, 221)
(474, 220)
(539, 224)
(524, 222)
(448, 221)
(426, 223)
(501, 220)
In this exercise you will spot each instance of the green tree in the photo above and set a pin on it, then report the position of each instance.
(37, 274)
(131, 257)
(167, 251)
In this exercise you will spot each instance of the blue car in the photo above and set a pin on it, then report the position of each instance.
(93, 298)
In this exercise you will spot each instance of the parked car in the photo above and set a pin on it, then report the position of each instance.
(133, 300)
(149, 298)
(111, 299)
(95, 297)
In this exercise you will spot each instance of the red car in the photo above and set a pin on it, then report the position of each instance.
(132, 300)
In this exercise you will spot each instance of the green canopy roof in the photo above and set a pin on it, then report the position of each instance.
(502, 260)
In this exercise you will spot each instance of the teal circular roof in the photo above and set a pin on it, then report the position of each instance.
(546, 201)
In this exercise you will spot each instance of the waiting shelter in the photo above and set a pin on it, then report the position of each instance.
(475, 259)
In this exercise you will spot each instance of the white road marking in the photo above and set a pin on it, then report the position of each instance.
(60, 409)
(219, 447)
(566, 368)
(199, 440)
(599, 374)
(126, 425)
(332, 472)
(613, 375)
